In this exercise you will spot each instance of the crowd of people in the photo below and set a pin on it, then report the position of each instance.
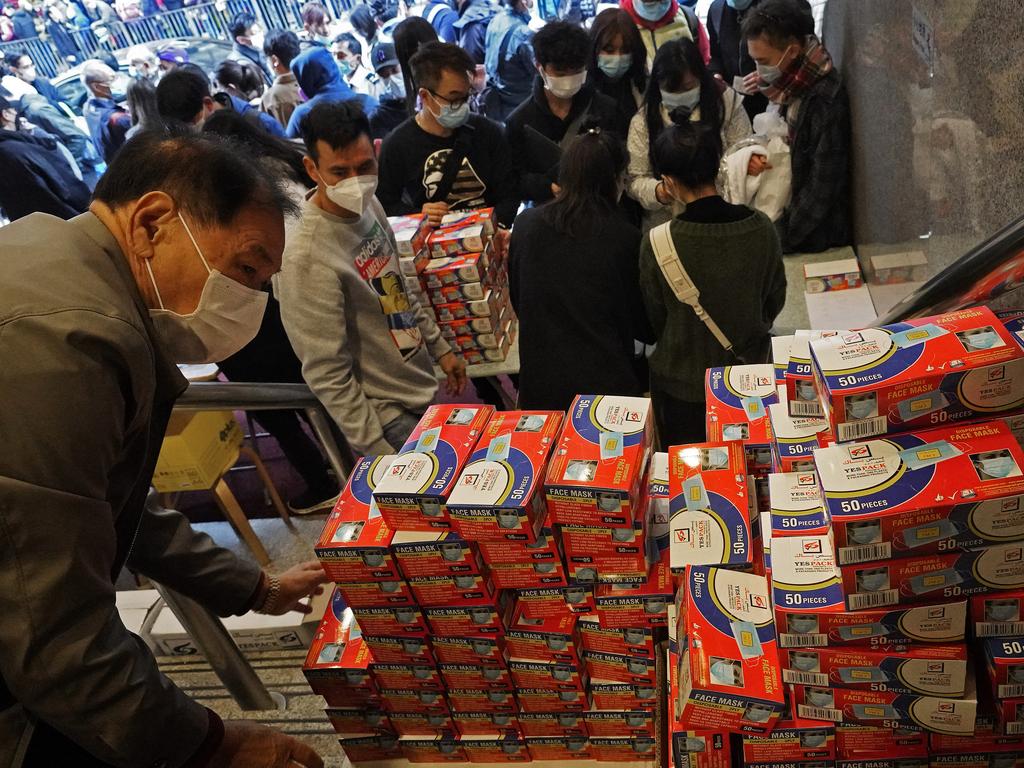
(241, 217)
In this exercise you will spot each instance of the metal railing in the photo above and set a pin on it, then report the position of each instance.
(208, 20)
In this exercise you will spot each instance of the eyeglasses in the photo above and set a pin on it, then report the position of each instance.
(453, 103)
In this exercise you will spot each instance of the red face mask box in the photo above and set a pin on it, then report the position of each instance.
(418, 676)
(485, 723)
(910, 375)
(801, 393)
(557, 676)
(635, 670)
(385, 620)
(698, 749)
(709, 506)
(422, 723)
(456, 270)
(607, 555)
(618, 696)
(636, 722)
(551, 700)
(400, 648)
(472, 676)
(540, 575)
(412, 494)
(607, 750)
(552, 602)
(553, 724)
(446, 590)
(348, 722)
(473, 617)
(365, 749)
(1004, 660)
(737, 399)
(793, 740)
(481, 700)
(1000, 614)
(353, 546)
(595, 474)
(437, 749)
(418, 700)
(477, 650)
(497, 497)
(853, 739)
(636, 605)
(370, 594)
(411, 233)
(550, 640)
(422, 554)
(882, 628)
(337, 665)
(508, 553)
(496, 748)
(619, 641)
(562, 748)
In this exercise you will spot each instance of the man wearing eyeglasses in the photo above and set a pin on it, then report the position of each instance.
(445, 158)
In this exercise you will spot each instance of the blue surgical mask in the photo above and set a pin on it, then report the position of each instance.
(1002, 612)
(725, 673)
(614, 65)
(872, 582)
(394, 87)
(983, 340)
(689, 99)
(805, 663)
(805, 390)
(344, 67)
(652, 11)
(733, 432)
(864, 533)
(860, 409)
(998, 466)
(802, 625)
(452, 117)
(739, 5)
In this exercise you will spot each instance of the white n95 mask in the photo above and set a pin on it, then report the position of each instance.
(352, 194)
(227, 317)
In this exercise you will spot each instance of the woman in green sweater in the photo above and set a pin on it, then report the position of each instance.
(732, 255)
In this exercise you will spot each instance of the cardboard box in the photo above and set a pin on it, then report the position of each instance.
(445, 590)
(912, 375)
(413, 676)
(979, 759)
(478, 650)
(423, 554)
(470, 326)
(1010, 716)
(551, 700)
(933, 577)
(485, 723)
(698, 749)
(412, 493)
(497, 497)
(353, 546)
(657, 507)
(1004, 659)
(924, 492)
(612, 723)
(729, 663)
(837, 275)
(385, 620)
(636, 605)
(903, 741)
(459, 292)
(940, 623)
(361, 720)
(570, 748)
(411, 233)
(377, 593)
(596, 554)
(198, 448)
(503, 553)
(709, 506)
(933, 670)
(737, 401)
(550, 640)
(417, 700)
(422, 723)
(553, 724)
(456, 270)
(1000, 614)
(796, 505)
(483, 217)
(482, 343)
(622, 750)
(401, 648)
(890, 710)
(556, 601)
(804, 575)
(365, 749)
(472, 617)
(481, 700)
(595, 474)
(495, 748)
(987, 742)
(491, 305)
(458, 237)
(624, 641)
(435, 749)
(780, 361)
(554, 675)
(539, 575)
(475, 676)
(337, 665)
(794, 740)
(636, 670)
(903, 267)
(794, 439)
(801, 391)
(613, 695)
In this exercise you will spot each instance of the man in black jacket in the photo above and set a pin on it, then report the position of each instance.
(36, 177)
(562, 103)
(415, 158)
(247, 37)
(729, 56)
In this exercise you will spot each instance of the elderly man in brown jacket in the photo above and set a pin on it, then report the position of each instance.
(94, 314)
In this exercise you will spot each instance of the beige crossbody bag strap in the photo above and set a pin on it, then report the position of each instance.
(679, 281)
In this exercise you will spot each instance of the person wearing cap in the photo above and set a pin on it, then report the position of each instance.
(37, 177)
(171, 57)
(390, 91)
(143, 63)
(108, 122)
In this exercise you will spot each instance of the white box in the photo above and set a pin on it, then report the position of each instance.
(832, 276)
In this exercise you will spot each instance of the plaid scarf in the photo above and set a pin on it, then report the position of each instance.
(799, 73)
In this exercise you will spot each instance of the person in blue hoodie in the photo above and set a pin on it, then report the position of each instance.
(321, 81)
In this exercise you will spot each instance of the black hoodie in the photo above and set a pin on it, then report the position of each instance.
(37, 178)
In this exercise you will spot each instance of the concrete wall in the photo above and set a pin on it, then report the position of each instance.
(937, 97)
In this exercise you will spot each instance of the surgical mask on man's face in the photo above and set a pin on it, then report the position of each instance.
(652, 11)
(739, 5)
(564, 86)
(451, 116)
(353, 194)
(344, 67)
(256, 40)
(227, 317)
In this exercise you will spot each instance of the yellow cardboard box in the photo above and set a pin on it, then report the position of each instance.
(197, 449)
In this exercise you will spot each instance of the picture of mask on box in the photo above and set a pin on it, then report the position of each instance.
(331, 653)
(802, 624)
(726, 672)
(977, 339)
(1002, 610)
(348, 532)
(531, 423)
(864, 532)
(461, 416)
(757, 713)
(863, 406)
(992, 465)
(739, 431)
(713, 458)
(580, 471)
(872, 579)
(804, 661)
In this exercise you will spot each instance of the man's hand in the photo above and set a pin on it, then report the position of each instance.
(751, 82)
(298, 583)
(758, 164)
(555, 190)
(501, 238)
(454, 368)
(435, 212)
(248, 745)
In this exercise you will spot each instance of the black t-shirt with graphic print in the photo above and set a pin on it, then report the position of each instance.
(412, 163)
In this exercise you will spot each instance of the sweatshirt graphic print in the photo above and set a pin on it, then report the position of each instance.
(467, 191)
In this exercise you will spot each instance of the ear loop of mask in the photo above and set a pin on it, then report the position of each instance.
(149, 267)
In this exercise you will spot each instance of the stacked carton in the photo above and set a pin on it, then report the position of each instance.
(462, 279)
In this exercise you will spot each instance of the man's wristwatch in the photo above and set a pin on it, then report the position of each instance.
(269, 604)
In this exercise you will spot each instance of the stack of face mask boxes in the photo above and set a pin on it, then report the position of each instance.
(481, 615)
(465, 283)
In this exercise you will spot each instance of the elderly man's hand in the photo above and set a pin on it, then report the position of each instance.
(454, 368)
(248, 745)
(298, 583)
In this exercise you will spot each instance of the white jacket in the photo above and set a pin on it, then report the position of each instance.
(640, 179)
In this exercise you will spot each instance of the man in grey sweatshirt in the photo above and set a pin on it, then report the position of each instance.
(363, 337)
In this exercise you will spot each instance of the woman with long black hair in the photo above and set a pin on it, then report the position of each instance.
(410, 34)
(574, 282)
(618, 60)
(680, 85)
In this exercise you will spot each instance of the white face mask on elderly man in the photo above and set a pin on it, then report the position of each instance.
(227, 317)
